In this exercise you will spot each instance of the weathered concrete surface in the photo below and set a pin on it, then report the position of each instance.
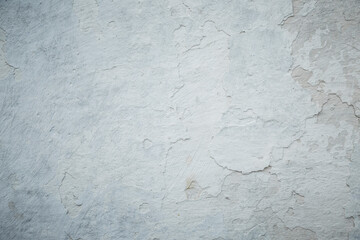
(180, 119)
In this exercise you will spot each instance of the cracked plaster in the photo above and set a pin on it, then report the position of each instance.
(180, 119)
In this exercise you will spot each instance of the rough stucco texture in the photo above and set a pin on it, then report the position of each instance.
(169, 119)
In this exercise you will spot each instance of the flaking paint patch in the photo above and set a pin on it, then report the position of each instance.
(179, 119)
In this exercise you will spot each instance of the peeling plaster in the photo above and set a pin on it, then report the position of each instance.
(180, 119)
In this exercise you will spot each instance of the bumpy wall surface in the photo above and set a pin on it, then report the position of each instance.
(170, 119)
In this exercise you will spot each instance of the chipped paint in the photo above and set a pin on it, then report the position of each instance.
(180, 119)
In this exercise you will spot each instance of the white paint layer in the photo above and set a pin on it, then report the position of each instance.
(180, 119)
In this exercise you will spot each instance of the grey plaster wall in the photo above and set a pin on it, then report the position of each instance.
(170, 119)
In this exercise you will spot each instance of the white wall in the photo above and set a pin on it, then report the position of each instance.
(169, 119)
